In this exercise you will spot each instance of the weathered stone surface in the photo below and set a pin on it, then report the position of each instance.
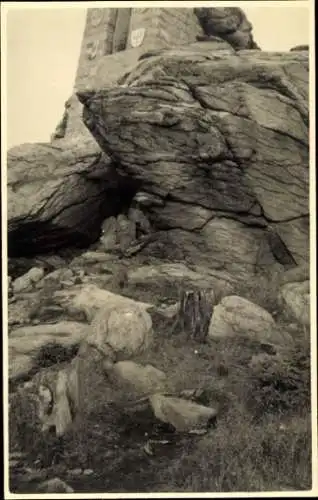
(297, 274)
(178, 275)
(27, 280)
(29, 339)
(130, 377)
(127, 329)
(25, 343)
(295, 298)
(299, 48)
(126, 232)
(18, 311)
(19, 364)
(92, 299)
(55, 277)
(230, 23)
(109, 234)
(238, 316)
(205, 134)
(54, 199)
(184, 415)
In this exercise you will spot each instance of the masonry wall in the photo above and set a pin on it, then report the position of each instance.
(109, 31)
(114, 39)
(165, 27)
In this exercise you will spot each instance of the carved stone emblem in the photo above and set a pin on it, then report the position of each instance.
(91, 49)
(137, 37)
(96, 16)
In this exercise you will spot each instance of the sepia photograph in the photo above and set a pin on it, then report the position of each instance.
(158, 249)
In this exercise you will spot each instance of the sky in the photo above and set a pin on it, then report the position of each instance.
(43, 47)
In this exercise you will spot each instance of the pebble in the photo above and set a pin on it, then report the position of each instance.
(93, 257)
(75, 472)
(88, 472)
(67, 283)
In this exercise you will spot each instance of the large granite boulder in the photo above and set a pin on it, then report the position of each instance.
(219, 143)
(236, 316)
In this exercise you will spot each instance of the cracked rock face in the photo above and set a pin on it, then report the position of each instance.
(58, 196)
(222, 141)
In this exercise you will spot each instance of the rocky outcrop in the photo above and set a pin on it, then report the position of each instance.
(300, 48)
(26, 344)
(207, 138)
(190, 177)
(58, 196)
(228, 23)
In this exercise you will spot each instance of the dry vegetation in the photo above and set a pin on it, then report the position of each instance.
(262, 440)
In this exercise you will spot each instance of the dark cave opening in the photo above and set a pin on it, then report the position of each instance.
(32, 236)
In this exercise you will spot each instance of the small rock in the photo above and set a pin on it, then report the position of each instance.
(67, 283)
(268, 348)
(59, 275)
(88, 472)
(137, 378)
(31, 475)
(293, 327)
(21, 283)
(148, 449)
(168, 311)
(14, 463)
(260, 361)
(94, 257)
(36, 274)
(80, 273)
(54, 485)
(295, 297)
(183, 415)
(105, 268)
(16, 455)
(75, 472)
(109, 233)
(28, 279)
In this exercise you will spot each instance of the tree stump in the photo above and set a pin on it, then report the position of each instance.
(195, 313)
